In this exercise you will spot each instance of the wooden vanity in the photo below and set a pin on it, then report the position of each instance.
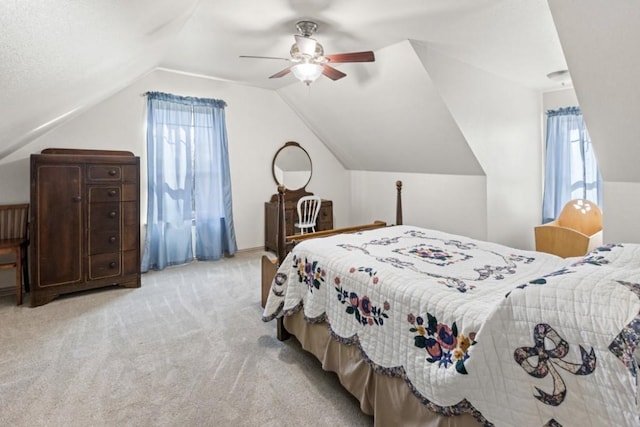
(324, 222)
(292, 169)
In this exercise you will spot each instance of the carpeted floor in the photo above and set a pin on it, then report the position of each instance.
(188, 348)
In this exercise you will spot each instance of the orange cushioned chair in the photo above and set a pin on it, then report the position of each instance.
(14, 239)
(577, 231)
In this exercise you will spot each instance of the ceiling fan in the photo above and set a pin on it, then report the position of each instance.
(308, 58)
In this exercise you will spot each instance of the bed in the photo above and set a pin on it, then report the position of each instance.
(431, 328)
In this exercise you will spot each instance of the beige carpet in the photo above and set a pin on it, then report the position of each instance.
(188, 348)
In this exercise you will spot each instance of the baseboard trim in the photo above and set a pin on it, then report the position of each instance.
(256, 250)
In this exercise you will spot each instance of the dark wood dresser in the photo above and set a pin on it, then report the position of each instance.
(85, 221)
(324, 222)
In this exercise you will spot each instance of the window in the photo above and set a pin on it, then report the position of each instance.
(571, 170)
(188, 180)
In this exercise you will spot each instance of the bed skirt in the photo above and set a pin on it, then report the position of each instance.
(388, 399)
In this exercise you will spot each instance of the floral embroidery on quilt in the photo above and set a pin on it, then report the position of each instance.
(546, 361)
(351, 248)
(361, 307)
(385, 241)
(597, 256)
(309, 272)
(625, 343)
(367, 270)
(443, 344)
(498, 272)
(277, 286)
(457, 284)
(433, 254)
(458, 244)
(542, 280)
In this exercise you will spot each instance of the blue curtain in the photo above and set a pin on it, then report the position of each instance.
(188, 179)
(571, 170)
(214, 222)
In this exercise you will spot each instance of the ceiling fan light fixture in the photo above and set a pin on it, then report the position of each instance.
(307, 72)
(308, 61)
(306, 28)
(317, 52)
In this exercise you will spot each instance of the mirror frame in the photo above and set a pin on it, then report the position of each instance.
(275, 157)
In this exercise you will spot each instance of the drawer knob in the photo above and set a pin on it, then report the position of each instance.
(112, 264)
(76, 199)
(112, 239)
(112, 193)
(113, 214)
(113, 172)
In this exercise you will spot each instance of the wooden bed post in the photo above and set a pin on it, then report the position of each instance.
(281, 333)
(281, 229)
(399, 203)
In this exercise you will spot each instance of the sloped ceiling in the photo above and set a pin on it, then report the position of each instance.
(57, 58)
(601, 45)
(396, 120)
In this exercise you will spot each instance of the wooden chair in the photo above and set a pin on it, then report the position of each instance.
(14, 240)
(577, 231)
(308, 209)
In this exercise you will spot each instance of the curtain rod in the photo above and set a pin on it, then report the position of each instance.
(224, 103)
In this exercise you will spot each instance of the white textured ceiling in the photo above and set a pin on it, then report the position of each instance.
(57, 57)
(515, 39)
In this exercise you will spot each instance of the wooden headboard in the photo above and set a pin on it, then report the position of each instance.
(285, 243)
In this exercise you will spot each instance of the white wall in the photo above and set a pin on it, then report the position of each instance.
(559, 99)
(621, 212)
(501, 121)
(258, 124)
(451, 203)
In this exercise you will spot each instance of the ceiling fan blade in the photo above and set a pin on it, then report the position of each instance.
(265, 57)
(281, 73)
(366, 56)
(331, 72)
(306, 45)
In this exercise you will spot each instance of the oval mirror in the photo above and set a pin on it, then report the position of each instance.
(292, 166)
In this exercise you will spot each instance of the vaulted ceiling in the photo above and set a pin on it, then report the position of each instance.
(58, 58)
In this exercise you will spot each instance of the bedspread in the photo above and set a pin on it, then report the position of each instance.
(513, 337)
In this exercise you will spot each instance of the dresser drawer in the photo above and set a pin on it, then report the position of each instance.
(104, 265)
(103, 241)
(104, 216)
(104, 194)
(104, 173)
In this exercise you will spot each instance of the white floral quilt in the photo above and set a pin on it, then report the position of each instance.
(515, 338)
